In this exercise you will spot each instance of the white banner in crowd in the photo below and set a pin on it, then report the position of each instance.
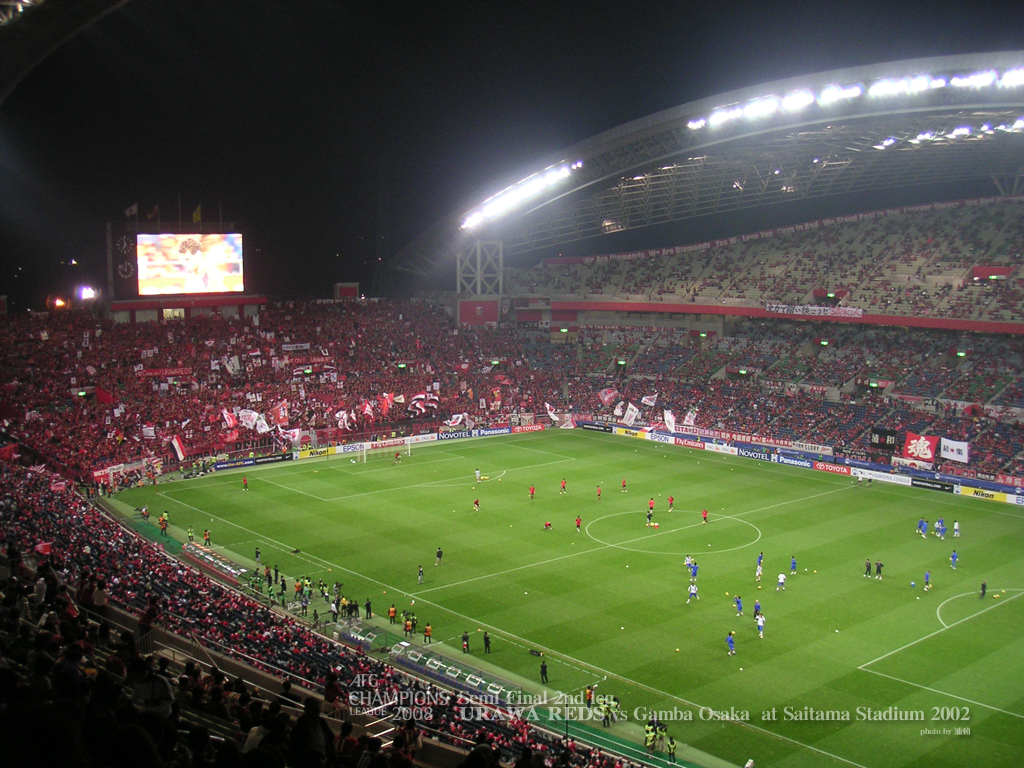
(670, 421)
(955, 450)
(631, 413)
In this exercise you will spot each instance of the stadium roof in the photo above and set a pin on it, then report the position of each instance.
(901, 124)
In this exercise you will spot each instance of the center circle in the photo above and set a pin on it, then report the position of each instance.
(716, 520)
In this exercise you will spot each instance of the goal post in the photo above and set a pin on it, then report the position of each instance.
(384, 450)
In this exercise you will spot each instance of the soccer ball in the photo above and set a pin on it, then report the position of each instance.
(913, 584)
(352, 460)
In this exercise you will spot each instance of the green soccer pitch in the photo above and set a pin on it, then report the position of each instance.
(607, 604)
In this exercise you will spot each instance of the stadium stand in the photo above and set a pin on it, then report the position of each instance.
(915, 263)
(79, 393)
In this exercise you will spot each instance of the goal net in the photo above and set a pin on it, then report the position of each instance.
(387, 450)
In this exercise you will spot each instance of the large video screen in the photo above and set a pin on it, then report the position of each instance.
(172, 264)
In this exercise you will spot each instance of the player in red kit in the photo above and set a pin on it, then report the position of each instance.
(562, 486)
(671, 503)
(623, 486)
(599, 493)
(532, 491)
(704, 514)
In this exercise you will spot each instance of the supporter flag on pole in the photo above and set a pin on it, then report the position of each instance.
(399, 399)
(279, 414)
(670, 420)
(230, 420)
(608, 395)
(618, 408)
(368, 409)
(179, 447)
(455, 420)
(651, 400)
(247, 417)
(261, 425)
(631, 413)
(290, 436)
(44, 547)
(551, 413)
(920, 447)
(131, 210)
(955, 450)
(154, 212)
(690, 419)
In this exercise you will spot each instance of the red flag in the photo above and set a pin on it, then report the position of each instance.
(279, 414)
(920, 447)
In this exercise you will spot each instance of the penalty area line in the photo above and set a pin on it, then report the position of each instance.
(867, 664)
(944, 693)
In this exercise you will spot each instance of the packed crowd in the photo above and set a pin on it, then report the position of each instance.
(75, 387)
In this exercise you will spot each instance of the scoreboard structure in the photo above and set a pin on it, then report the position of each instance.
(177, 271)
(193, 260)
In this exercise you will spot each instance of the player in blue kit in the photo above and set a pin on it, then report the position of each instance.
(792, 564)
(757, 608)
(760, 559)
(693, 571)
(953, 558)
(739, 605)
(927, 580)
(731, 642)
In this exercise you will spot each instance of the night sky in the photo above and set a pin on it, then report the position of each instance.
(285, 115)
